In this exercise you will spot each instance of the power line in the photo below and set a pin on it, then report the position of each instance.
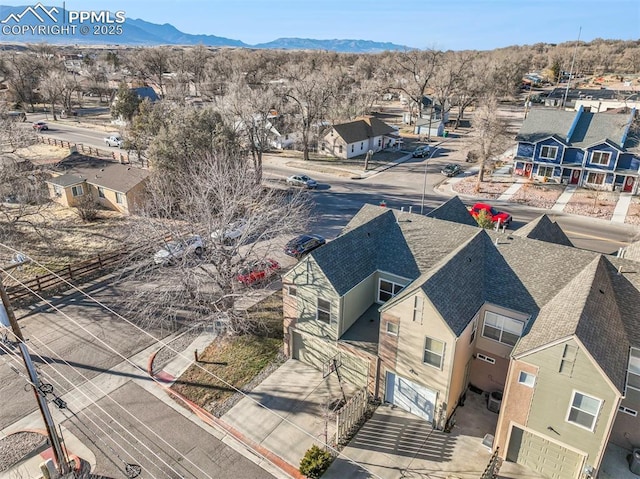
(62, 405)
(106, 395)
(167, 345)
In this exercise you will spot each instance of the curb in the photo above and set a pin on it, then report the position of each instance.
(218, 423)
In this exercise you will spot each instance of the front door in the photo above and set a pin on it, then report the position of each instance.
(527, 169)
(575, 177)
(628, 184)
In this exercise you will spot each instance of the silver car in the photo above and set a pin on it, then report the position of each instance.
(303, 181)
(176, 250)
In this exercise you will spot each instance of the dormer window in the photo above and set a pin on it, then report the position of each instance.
(601, 158)
(549, 152)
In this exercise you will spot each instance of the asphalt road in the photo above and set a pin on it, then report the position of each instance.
(163, 443)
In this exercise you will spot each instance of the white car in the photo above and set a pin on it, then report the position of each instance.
(302, 180)
(175, 250)
(232, 232)
(113, 140)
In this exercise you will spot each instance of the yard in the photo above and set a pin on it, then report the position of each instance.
(236, 362)
(593, 203)
(538, 196)
(489, 189)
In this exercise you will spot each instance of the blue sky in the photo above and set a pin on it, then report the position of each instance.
(439, 24)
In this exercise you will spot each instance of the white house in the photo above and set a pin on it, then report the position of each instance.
(357, 137)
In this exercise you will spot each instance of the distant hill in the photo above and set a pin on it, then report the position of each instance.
(345, 46)
(137, 32)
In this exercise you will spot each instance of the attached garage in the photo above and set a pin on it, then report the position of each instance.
(549, 459)
(410, 396)
(316, 353)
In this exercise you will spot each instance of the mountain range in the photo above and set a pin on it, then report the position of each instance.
(137, 32)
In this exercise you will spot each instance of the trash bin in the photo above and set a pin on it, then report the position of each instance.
(445, 134)
(634, 461)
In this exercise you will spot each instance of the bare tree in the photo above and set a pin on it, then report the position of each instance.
(490, 134)
(26, 69)
(206, 198)
(309, 90)
(153, 63)
(416, 69)
(252, 110)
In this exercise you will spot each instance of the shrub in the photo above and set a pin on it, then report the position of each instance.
(315, 462)
(484, 220)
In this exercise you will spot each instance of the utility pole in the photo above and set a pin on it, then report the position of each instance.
(5, 307)
(573, 60)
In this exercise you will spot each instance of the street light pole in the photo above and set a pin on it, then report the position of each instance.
(424, 183)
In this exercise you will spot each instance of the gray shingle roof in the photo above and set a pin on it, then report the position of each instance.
(543, 229)
(114, 176)
(453, 210)
(593, 317)
(590, 129)
(632, 251)
(362, 129)
(460, 267)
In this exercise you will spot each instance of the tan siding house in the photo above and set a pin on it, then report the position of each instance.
(424, 310)
(112, 185)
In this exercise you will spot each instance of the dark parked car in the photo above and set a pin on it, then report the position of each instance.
(491, 212)
(451, 170)
(303, 244)
(421, 151)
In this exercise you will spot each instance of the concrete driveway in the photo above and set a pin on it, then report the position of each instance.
(395, 444)
(286, 412)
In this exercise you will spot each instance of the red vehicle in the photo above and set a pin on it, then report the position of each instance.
(258, 271)
(494, 214)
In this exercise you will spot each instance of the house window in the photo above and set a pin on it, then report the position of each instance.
(379, 141)
(633, 374)
(417, 308)
(292, 291)
(361, 145)
(387, 290)
(323, 311)
(584, 410)
(119, 198)
(322, 147)
(392, 328)
(569, 353)
(546, 171)
(339, 148)
(77, 190)
(353, 148)
(474, 329)
(527, 379)
(433, 352)
(501, 328)
(100, 191)
(601, 158)
(485, 358)
(596, 178)
(57, 190)
(549, 152)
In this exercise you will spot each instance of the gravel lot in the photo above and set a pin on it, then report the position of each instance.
(16, 446)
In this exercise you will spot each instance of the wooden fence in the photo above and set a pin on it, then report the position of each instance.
(88, 150)
(350, 414)
(72, 273)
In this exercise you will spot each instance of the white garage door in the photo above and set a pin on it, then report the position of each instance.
(549, 459)
(410, 396)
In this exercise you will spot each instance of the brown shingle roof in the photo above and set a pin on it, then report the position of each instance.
(114, 176)
(362, 129)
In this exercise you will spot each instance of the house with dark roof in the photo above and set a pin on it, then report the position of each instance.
(355, 138)
(422, 311)
(597, 150)
(112, 185)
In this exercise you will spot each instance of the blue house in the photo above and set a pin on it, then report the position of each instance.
(597, 150)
